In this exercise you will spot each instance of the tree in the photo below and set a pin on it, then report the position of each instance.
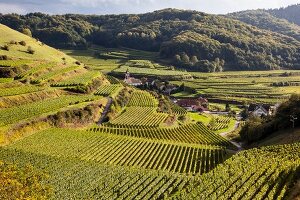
(30, 50)
(185, 58)
(194, 60)
(27, 31)
(177, 58)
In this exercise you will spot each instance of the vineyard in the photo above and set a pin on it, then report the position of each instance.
(140, 117)
(57, 72)
(218, 123)
(19, 90)
(190, 133)
(77, 179)
(81, 79)
(142, 99)
(124, 151)
(177, 110)
(264, 173)
(100, 138)
(17, 113)
(108, 90)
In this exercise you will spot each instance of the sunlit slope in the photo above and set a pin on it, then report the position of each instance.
(42, 51)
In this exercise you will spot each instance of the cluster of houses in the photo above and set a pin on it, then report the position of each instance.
(199, 104)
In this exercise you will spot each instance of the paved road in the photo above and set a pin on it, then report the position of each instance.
(106, 109)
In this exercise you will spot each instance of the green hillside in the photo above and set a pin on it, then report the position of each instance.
(187, 39)
(265, 20)
(17, 51)
(69, 131)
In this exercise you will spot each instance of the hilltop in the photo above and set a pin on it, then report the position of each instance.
(188, 39)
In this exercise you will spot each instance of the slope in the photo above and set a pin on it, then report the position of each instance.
(42, 52)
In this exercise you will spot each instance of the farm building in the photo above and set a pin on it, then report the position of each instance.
(197, 104)
(259, 110)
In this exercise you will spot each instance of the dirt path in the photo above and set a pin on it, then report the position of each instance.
(106, 109)
(238, 145)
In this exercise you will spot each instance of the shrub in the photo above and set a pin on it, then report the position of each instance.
(27, 31)
(77, 62)
(23, 43)
(30, 50)
(3, 57)
(5, 47)
(13, 42)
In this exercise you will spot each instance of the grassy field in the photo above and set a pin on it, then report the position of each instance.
(17, 51)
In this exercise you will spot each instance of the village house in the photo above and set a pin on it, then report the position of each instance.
(259, 110)
(194, 104)
(131, 80)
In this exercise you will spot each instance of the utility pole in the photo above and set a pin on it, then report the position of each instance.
(292, 119)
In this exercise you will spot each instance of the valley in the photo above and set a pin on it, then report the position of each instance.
(126, 121)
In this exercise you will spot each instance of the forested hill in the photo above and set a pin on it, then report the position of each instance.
(188, 39)
(290, 13)
(265, 20)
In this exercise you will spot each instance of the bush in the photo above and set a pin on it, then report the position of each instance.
(77, 62)
(30, 50)
(13, 42)
(23, 43)
(5, 47)
(3, 57)
(27, 31)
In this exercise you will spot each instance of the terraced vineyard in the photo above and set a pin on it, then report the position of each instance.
(218, 123)
(124, 151)
(107, 90)
(264, 173)
(54, 73)
(241, 87)
(17, 113)
(142, 99)
(191, 133)
(177, 110)
(81, 79)
(19, 90)
(140, 116)
(77, 179)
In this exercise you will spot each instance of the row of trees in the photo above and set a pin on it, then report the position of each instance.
(193, 63)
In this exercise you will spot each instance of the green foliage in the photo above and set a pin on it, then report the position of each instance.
(190, 133)
(265, 173)
(124, 151)
(78, 179)
(107, 90)
(256, 128)
(199, 39)
(23, 182)
(27, 31)
(26, 111)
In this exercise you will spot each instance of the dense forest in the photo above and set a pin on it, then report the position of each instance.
(290, 13)
(187, 39)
